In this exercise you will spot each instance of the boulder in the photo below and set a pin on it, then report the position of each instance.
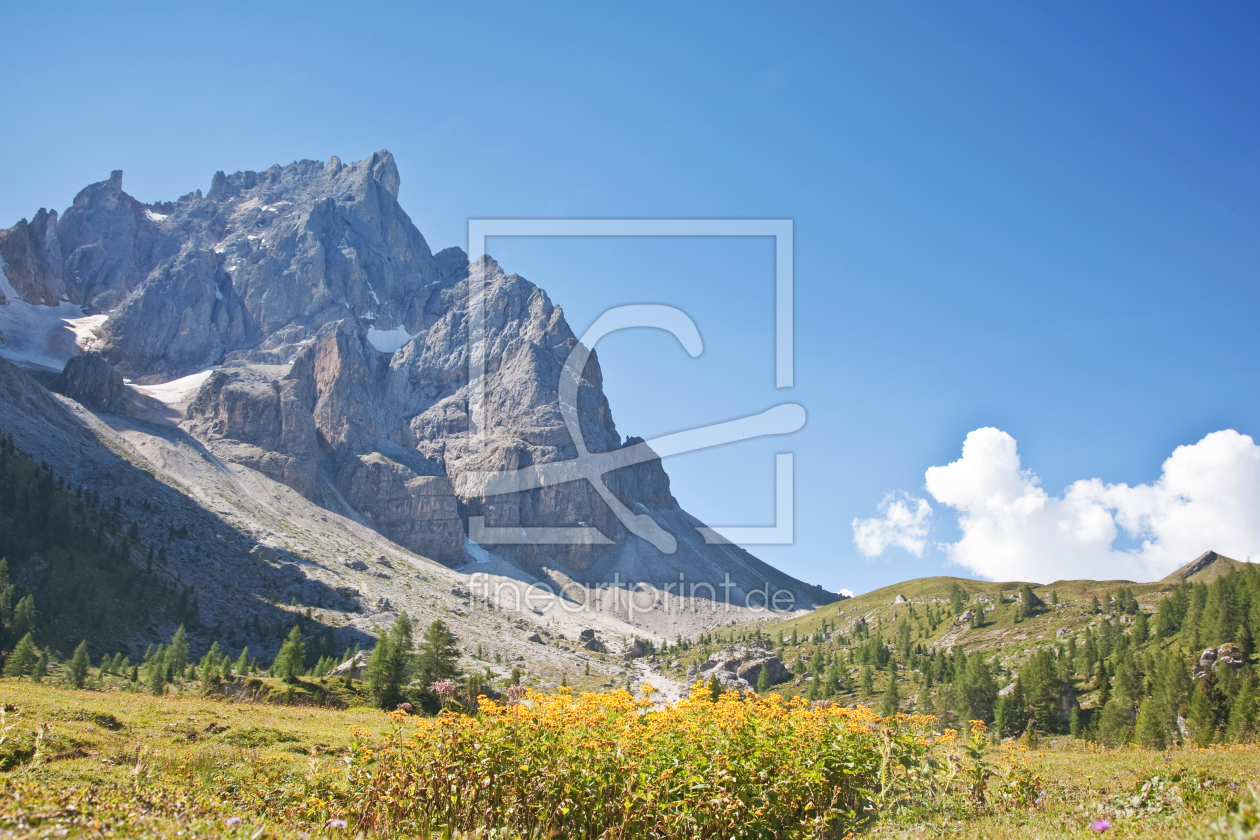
(353, 666)
(1228, 655)
(93, 383)
(740, 666)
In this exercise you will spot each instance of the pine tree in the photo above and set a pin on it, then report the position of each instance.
(1015, 717)
(763, 680)
(24, 616)
(291, 658)
(155, 673)
(177, 653)
(41, 667)
(923, 705)
(1029, 600)
(957, 598)
(79, 663)
(386, 668)
(1151, 730)
(22, 659)
(715, 688)
(1242, 716)
(242, 662)
(1141, 628)
(868, 681)
(437, 656)
(1203, 710)
(890, 704)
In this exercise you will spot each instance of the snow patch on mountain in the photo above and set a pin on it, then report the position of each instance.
(43, 336)
(391, 341)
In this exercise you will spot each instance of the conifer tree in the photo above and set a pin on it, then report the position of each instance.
(868, 680)
(177, 653)
(957, 598)
(77, 670)
(437, 657)
(291, 658)
(41, 667)
(1203, 710)
(1243, 714)
(1113, 726)
(387, 667)
(1141, 628)
(155, 672)
(242, 662)
(890, 704)
(923, 705)
(1029, 600)
(22, 659)
(24, 616)
(763, 680)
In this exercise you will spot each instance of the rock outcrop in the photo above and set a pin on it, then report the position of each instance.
(341, 348)
(94, 383)
(1229, 656)
(740, 666)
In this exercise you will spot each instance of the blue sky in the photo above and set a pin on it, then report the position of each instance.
(1038, 217)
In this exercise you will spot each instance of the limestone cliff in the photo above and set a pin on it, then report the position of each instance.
(340, 348)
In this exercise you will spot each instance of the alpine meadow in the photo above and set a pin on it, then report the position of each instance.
(647, 422)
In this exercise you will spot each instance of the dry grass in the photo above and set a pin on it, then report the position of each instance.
(116, 764)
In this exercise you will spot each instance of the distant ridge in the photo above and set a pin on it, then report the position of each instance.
(1205, 568)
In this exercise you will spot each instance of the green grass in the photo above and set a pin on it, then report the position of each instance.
(120, 764)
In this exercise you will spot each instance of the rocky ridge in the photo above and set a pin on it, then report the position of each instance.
(294, 323)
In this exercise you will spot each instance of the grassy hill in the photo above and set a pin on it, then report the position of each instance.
(941, 621)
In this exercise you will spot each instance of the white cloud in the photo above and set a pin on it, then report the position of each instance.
(848, 593)
(905, 524)
(1207, 497)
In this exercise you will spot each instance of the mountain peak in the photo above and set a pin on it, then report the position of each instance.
(1205, 568)
(296, 323)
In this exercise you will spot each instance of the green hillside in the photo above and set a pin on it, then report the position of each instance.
(956, 647)
(85, 571)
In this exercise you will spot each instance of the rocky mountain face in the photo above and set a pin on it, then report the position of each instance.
(304, 330)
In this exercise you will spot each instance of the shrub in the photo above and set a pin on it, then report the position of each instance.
(608, 765)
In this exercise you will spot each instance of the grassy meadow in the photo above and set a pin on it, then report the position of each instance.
(122, 764)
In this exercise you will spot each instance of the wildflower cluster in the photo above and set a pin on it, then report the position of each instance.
(610, 765)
